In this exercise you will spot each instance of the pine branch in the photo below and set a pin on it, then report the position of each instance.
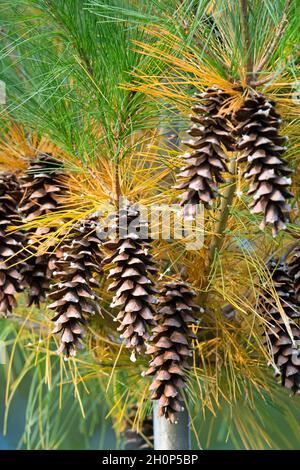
(117, 183)
(221, 224)
(217, 238)
(261, 82)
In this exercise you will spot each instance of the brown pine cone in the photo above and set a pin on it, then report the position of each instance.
(171, 347)
(12, 264)
(205, 163)
(262, 147)
(134, 298)
(74, 292)
(42, 193)
(284, 349)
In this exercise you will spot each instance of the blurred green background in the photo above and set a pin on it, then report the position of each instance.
(34, 420)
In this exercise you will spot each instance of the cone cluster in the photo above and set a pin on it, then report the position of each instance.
(42, 193)
(73, 294)
(171, 347)
(204, 164)
(12, 264)
(141, 440)
(285, 351)
(131, 278)
(294, 270)
(261, 146)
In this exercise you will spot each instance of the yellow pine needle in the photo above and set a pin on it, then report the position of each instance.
(114, 367)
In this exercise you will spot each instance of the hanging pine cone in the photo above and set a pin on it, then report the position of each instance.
(42, 194)
(73, 292)
(286, 353)
(171, 347)
(294, 270)
(262, 147)
(12, 262)
(206, 162)
(142, 440)
(131, 278)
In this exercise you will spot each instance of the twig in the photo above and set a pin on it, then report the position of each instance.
(217, 239)
(117, 183)
(227, 199)
(246, 38)
(263, 81)
(277, 37)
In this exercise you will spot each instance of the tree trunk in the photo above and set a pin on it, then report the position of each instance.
(168, 436)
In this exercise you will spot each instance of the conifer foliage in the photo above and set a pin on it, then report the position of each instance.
(98, 95)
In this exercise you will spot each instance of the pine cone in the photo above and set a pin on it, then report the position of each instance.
(206, 162)
(286, 353)
(294, 270)
(12, 262)
(133, 439)
(134, 289)
(42, 194)
(262, 147)
(74, 296)
(170, 347)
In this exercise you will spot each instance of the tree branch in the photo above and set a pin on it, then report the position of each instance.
(227, 199)
(217, 239)
(263, 81)
(117, 183)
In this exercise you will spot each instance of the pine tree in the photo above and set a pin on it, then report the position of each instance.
(114, 140)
